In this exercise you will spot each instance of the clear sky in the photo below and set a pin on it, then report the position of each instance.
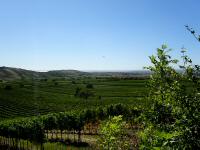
(94, 34)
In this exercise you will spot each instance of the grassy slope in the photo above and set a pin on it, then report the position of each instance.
(7, 73)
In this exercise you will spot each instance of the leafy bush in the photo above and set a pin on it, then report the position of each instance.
(112, 134)
(175, 112)
(152, 138)
(8, 87)
(89, 86)
(73, 82)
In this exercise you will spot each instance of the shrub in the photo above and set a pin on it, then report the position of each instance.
(112, 134)
(73, 82)
(89, 86)
(174, 110)
(77, 92)
(21, 85)
(8, 87)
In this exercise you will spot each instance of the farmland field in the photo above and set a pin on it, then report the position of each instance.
(25, 98)
(22, 98)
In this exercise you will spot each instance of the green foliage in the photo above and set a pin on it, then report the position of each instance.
(154, 138)
(112, 134)
(89, 86)
(33, 128)
(189, 104)
(163, 86)
(36, 97)
(192, 31)
(26, 129)
(173, 122)
(8, 87)
(77, 92)
(85, 94)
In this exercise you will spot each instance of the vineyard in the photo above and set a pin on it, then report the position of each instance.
(161, 111)
(24, 98)
(66, 127)
(59, 113)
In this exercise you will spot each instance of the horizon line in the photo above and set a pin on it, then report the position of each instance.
(83, 70)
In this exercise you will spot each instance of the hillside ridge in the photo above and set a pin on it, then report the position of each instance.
(9, 73)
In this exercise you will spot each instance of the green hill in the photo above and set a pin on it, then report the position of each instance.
(7, 73)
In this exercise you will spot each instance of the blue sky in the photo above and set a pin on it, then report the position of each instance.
(94, 34)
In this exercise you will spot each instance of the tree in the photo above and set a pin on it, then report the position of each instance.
(61, 123)
(164, 91)
(77, 92)
(174, 118)
(193, 32)
(50, 123)
(8, 87)
(189, 104)
(89, 86)
(163, 86)
(85, 94)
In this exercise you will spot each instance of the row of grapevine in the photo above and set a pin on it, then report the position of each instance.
(34, 129)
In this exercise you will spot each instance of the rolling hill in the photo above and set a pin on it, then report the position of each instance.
(8, 73)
